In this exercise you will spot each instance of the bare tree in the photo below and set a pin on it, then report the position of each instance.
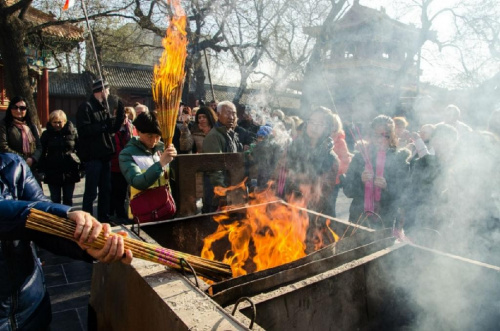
(202, 35)
(248, 29)
(472, 38)
(289, 48)
(16, 31)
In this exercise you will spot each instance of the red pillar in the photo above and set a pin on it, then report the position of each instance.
(42, 99)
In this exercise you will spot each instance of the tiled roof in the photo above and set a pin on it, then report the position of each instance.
(132, 77)
(64, 31)
(359, 15)
(68, 84)
(129, 76)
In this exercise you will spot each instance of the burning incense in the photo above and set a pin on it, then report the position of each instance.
(213, 270)
(168, 77)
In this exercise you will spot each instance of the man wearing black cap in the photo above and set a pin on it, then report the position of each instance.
(95, 129)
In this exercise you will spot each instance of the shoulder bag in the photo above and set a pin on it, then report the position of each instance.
(153, 205)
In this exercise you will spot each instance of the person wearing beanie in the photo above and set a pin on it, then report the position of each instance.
(144, 160)
(96, 127)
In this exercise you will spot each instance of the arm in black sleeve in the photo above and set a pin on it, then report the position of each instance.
(58, 245)
(38, 145)
(115, 123)
(42, 161)
(353, 185)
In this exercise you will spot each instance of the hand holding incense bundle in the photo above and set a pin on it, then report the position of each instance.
(51, 224)
(168, 77)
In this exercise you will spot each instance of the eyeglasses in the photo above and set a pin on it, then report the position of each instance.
(21, 108)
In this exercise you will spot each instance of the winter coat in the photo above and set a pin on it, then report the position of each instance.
(245, 136)
(396, 174)
(59, 162)
(24, 302)
(95, 128)
(141, 167)
(121, 138)
(11, 141)
(316, 167)
(219, 140)
(198, 137)
(265, 157)
(421, 198)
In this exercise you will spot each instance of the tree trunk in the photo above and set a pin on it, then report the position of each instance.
(242, 88)
(199, 77)
(17, 79)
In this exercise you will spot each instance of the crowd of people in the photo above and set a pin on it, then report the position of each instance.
(436, 186)
(393, 173)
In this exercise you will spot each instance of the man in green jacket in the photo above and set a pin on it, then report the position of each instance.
(221, 139)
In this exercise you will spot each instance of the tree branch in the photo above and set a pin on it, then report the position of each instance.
(22, 5)
(109, 13)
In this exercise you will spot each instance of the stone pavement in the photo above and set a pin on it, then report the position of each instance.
(68, 281)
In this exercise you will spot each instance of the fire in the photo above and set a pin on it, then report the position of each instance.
(266, 236)
(168, 76)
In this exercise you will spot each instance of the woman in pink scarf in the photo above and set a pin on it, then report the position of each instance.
(18, 135)
(377, 175)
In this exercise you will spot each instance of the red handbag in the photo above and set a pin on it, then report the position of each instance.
(153, 204)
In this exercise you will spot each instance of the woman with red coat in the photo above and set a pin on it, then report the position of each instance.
(119, 186)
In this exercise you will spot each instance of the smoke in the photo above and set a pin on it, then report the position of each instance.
(420, 289)
(461, 212)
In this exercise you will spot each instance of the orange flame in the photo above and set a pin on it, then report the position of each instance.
(168, 76)
(268, 235)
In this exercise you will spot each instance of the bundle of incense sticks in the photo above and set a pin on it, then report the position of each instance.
(168, 77)
(65, 228)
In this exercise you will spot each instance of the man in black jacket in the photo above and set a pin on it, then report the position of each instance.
(96, 128)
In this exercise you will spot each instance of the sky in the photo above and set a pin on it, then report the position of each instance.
(438, 67)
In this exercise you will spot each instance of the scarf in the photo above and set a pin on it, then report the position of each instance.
(27, 137)
(373, 193)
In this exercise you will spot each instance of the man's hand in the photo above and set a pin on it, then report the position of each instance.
(87, 231)
(114, 249)
(87, 227)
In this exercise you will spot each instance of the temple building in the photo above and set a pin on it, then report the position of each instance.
(358, 64)
(39, 48)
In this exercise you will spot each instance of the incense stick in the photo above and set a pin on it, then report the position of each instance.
(168, 79)
(51, 224)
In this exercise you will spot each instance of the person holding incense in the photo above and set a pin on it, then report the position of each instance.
(144, 160)
(24, 300)
(377, 175)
